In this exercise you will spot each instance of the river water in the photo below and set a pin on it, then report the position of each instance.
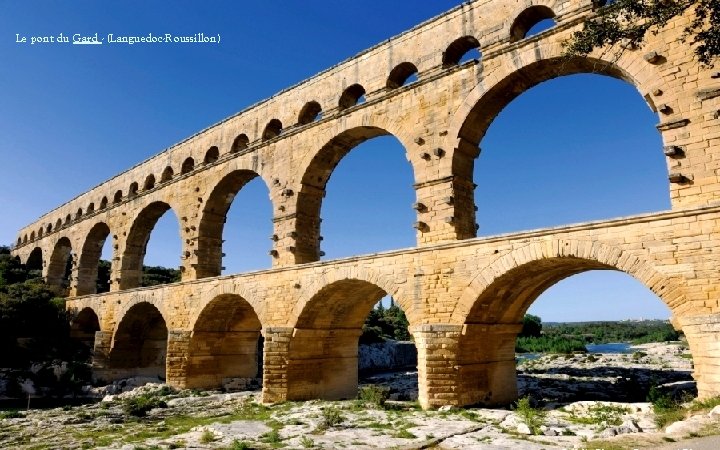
(613, 347)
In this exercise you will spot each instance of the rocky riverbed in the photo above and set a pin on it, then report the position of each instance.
(572, 402)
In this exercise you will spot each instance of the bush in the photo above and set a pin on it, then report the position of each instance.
(532, 417)
(666, 409)
(331, 417)
(271, 437)
(140, 405)
(239, 445)
(12, 414)
(531, 327)
(207, 437)
(374, 394)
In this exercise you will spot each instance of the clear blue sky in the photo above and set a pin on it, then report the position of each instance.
(573, 149)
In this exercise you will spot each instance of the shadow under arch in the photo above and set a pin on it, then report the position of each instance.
(139, 344)
(323, 351)
(214, 216)
(131, 265)
(84, 326)
(492, 307)
(34, 260)
(316, 174)
(225, 343)
(90, 258)
(59, 265)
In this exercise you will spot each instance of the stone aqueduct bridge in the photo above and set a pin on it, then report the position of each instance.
(463, 296)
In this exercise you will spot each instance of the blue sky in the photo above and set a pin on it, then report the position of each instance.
(572, 149)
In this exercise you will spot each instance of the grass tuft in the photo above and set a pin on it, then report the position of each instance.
(532, 417)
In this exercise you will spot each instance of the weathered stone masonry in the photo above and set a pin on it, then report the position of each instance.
(463, 296)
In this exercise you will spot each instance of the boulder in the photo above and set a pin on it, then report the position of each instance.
(681, 427)
(715, 412)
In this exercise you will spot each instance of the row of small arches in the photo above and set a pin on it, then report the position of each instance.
(402, 74)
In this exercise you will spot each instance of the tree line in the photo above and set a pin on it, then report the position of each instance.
(574, 336)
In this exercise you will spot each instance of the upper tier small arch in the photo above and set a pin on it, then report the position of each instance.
(309, 113)
(527, 19)
(272, 129)
(400, 75)
(167, 174)
(149, 182)
(459, 48)
(187, 166)
(212, 155)
(240, 143)
(351, 96)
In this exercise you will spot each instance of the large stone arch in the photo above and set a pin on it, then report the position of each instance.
(131, 262)
(251, 292)
(213, 217)
(389, 284)
(558, 259)
(516, 73)
(139, 342)
(89, 258)
(57, 267)
(492, 306)
(323, 350)
(318, 166)
(224, 343)
(115, 316)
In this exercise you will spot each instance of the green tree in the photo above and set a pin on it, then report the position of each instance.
(156, 275)
(627, 22)
(531, 327)
(385, 323)
(103, 279)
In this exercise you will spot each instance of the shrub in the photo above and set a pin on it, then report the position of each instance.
(271, 437)
(207, 437)
(532, 417)
(331, 417)
(140, 405)
(12, 414)
(666, 409)
(709, 403)
(374, 394)
(239, 445)
(403, 433)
